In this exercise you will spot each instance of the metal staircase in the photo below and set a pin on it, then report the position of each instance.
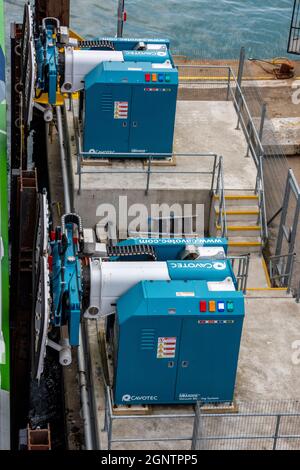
(243, 227)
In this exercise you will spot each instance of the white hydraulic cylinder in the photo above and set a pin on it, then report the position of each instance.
(110, 280)
(78, 63)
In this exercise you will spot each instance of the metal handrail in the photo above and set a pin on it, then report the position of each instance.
(147, 157)
(239, 106)
(260, 191)
(251, 133)
(219, 193)
(110, 417)
(277, 269)
(242, 272)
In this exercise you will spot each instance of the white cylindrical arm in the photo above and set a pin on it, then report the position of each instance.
(110, 280)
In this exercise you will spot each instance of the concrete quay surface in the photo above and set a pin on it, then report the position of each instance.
(202, 128)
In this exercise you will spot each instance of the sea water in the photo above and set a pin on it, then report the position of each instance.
(204, 28)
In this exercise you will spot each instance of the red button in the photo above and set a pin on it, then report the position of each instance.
(147, 77)
(203, 307)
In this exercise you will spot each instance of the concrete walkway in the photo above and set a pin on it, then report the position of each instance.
(201, 127)
(210, 126)
(266, 368)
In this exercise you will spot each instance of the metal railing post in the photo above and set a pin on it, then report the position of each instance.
(241, 66)
(289, 285)
(298, 294)
(262, 121)
(276, 436)
(239, 110)
(238, 92)
(214, 174)
(262, 202)
(148, 175)
(249, 140)
(228, 84)
(261, 126)
(195, 429)
(79, 185)
(121, 8)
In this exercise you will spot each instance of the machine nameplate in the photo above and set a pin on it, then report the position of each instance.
(181, 241)
(216, 322)
(185, 294)
(158, 89)
(219, 266)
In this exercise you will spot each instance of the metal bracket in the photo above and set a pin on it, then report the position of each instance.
(64, 349)
(47, 110)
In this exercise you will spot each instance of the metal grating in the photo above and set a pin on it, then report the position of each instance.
(294, 38)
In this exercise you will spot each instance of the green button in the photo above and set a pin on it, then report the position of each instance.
(167, 78)
(230, 307)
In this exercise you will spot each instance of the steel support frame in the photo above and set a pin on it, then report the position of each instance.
(289, 234)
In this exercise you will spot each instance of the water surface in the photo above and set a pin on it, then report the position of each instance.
(205, 28)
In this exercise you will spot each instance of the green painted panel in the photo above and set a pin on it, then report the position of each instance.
(4, 368)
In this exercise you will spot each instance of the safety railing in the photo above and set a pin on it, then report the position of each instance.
(244, 120)
(260, 191)
(269, 425)
(147, 170)
(281, 269)
(219, 193)
(111, 417)
(240, 265)
(233, 92)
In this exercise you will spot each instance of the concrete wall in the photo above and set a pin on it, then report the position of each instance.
(89, 201)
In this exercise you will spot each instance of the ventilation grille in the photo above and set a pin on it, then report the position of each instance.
(106, 102)
(148, 339)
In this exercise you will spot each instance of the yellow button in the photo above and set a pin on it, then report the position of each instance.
(212, 306)
(154, 77)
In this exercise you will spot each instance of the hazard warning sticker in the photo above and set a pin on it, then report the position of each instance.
(121, 110)
(166, 348)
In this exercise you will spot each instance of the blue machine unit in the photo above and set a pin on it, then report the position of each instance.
(130, 106)
(178, 321)
(178, 342)
(128, 90)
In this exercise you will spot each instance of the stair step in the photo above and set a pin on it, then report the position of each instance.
(244, 244)
(238, 196)
(242, 230)
(244, 210)
(242, 192)
(244, 241)
(244, 216)
(239, 201)
(238, 228)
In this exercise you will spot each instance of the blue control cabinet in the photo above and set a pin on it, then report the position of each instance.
(177, 342)
(130, 107)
